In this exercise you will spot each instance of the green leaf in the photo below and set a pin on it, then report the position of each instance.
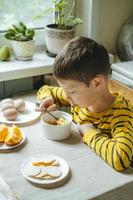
(16, 29)
(22, 26)
(9, 36)
(30, 33)
(77, 21)
(11, 31)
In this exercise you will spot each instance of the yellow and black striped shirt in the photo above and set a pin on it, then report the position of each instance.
(112, 137)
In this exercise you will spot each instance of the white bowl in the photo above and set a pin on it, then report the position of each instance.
(56, 132)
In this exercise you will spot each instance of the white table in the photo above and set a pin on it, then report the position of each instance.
(91, 178)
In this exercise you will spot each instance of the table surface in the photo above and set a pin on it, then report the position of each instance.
(91, 177)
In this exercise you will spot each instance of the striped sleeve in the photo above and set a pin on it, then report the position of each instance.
(117, 151)
(122, 133)
(57, 93)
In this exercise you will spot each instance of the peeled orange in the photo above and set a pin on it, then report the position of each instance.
(3, 132)
(14, 136)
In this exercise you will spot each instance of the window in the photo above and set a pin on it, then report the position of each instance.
(13, 11)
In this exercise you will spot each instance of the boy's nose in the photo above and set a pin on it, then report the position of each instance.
(69, 98)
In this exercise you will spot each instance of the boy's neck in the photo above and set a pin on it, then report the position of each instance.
(102, 103)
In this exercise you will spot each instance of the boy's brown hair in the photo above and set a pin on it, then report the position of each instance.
(81, 59)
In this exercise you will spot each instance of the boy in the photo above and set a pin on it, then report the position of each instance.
(81, 70)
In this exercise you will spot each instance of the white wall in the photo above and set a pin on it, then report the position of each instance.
(102, 19)
(113, 15)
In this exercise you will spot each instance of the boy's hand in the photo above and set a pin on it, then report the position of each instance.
(84, 127)
(46, 104)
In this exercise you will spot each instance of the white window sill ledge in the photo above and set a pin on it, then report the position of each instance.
(14, 69)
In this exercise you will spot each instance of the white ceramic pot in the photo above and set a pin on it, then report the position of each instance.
(56, 132)
(56, 39)
(23, 50)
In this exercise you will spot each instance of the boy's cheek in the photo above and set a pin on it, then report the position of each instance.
(65, 96)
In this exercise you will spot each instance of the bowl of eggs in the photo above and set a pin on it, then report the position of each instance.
(56, 129)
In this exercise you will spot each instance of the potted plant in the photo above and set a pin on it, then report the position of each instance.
(22, 39)
(63, 29)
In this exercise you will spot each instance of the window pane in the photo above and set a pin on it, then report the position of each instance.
(13, 11)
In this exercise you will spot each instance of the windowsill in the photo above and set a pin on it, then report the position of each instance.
(14, 69)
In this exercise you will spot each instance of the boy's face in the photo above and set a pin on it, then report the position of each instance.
(80, 94)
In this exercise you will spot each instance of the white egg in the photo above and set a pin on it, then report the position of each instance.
(10, 114)
(19, 105)
(6, 101)
(6, 106)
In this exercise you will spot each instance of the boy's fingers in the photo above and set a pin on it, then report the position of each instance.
(45, 104)
(40, 109)
(43, 109)
(52, 107)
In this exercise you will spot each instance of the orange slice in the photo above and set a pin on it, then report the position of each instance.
(14, 136)
(3, 132)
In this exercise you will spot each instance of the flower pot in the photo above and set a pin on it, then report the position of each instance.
(23, 50)
(56, 38)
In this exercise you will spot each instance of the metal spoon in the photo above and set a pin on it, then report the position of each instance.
(38, 104)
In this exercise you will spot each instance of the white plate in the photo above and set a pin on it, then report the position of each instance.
(48, 183)
(4, 146)
(25, 117)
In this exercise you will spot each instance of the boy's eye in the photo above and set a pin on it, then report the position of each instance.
(72, 92)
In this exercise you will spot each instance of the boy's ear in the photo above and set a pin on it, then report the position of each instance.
(97, 81)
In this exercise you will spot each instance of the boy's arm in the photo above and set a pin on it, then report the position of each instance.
(57, 93)
(118, 150)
